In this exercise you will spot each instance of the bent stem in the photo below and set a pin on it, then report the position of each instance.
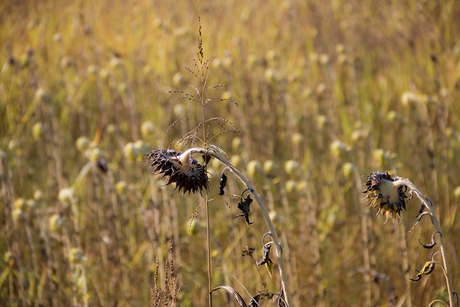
(271, 227)
(429, 206)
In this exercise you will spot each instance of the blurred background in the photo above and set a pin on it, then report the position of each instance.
(324, 91)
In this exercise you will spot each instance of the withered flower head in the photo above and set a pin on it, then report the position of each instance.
(386, 194)
(180, 168)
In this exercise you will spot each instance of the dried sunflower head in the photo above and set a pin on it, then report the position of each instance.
(386, 194)
(180, 168)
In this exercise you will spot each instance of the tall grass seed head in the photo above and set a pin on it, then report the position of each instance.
(179, 168)
(385, 194)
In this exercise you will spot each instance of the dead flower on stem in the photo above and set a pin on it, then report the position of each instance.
(180, 168)
(386, 194)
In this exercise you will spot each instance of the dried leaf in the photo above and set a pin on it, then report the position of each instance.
(223, 184)
(245, 207)
(235, 294)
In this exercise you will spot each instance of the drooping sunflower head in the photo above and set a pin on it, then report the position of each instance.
(180, 168)
(386, 194)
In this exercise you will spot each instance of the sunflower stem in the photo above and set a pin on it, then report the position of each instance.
(429, 206)
(271, 227)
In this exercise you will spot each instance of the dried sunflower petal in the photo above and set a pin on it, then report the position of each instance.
(385, 195)
(179, 168)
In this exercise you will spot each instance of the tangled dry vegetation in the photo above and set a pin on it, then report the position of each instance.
(324, 93)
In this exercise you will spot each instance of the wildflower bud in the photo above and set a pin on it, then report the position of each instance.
(41, 95)
(179, 80)
(82, 143)
(194, 227)
(340, 48)
(158, 23)
(253, 61)
(18, 215)
(129, 151)
(217, 63)
(116, 62)
(31, 204)
(38, 131)
(9, 258)
(457, 192)
(236, 143)
(408, 98)
(236, 161)
(272, 56)
(179, 110)
(38, 195)
(291, 166)
(57, 37)
(297, 138)
(104, 74)
(75, 256)
(122, 88)
(320, 89)
(19, 203)
(269, 167)
(342, 59)
(92, 70)
(95, 154)
(253, 167)
(321, 121)
(55, 222)
(324, 59)
(227, 95)
(275, 217)
(270, 75)
(111, 128)
(65, 195)
(227, 62)
(121, 187)
(66, 62)
(140, 147)
(338, 148)
(291, 186)
(147, 128)
(348, 169)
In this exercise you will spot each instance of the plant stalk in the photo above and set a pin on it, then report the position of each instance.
(271, 227)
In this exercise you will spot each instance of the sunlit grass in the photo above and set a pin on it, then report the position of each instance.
(381, 78)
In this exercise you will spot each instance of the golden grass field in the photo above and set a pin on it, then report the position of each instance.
(325, 93)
